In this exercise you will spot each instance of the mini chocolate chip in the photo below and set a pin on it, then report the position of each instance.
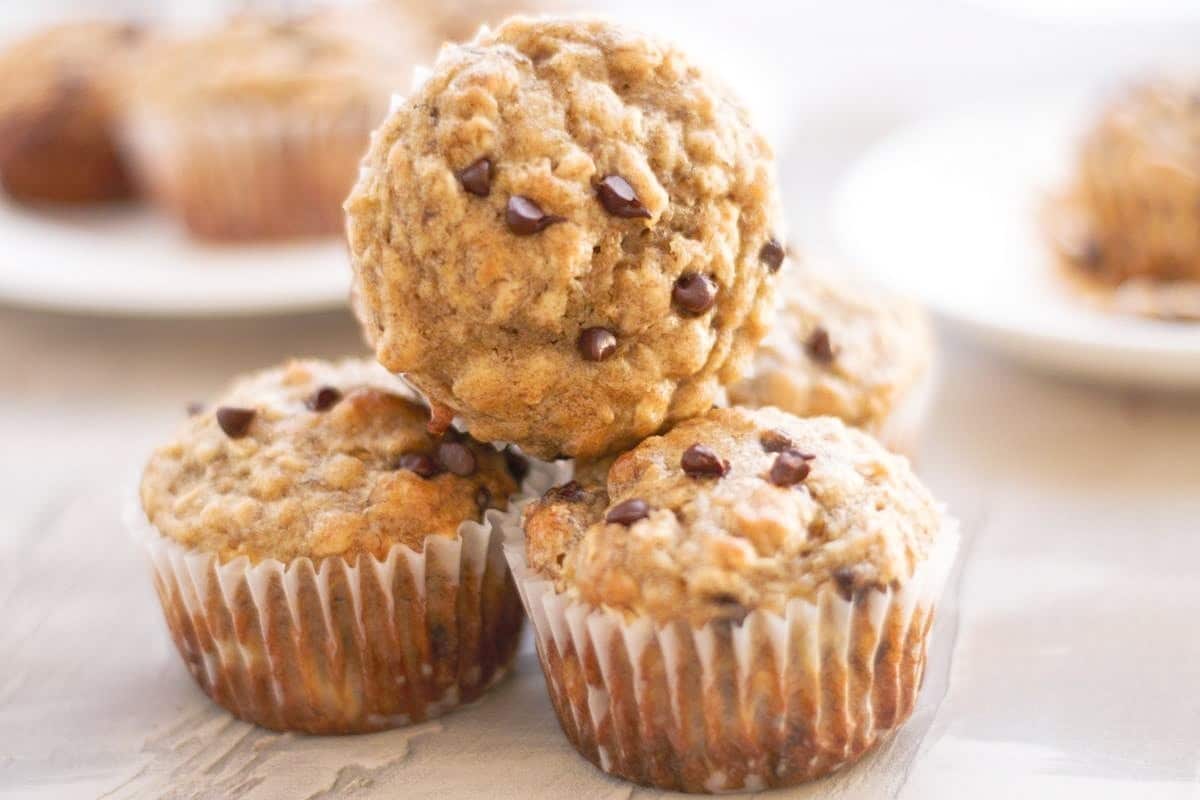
(235, 421)
(775, 441)
(483, 498)
(420, 463)
(597, 344)
(1090, 255)
(845, 579)
(456, 457)
(476, 177)
(772, 254)
(518, 465)
(699, 461)
(525, 217)
(569, 492)
(819, 347)
(195, 408)
(323, 399)
(790, 467)
(628, 512)
(730, 607)
(130, 32)
(619, 198)
(694, 293)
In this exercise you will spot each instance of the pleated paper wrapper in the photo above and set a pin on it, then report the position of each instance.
(334, 646)
(776, 700)
(253, 173)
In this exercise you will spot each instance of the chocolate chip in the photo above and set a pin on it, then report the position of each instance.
(323, 399)
(483, 498)
(699, 461)
(194, 408)
(775, 441)
(619, 198)
(235, 421)
(1090, 255)
(130, 32)
(476, 177)
(819, 347)
(456, 457)
(518, 465)
(730, 607)
(525, 217)
(420, 463)
(772, 254)
(628, 512)
(694, 293)
(846, 582)
(790, 467)
(597, 344)
(569, 492)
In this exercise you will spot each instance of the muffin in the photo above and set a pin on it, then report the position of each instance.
(744, 603)
(845, 349)
(1128, 228)
(255, 130)
(566, 237)
(57, 113)
(324, 564)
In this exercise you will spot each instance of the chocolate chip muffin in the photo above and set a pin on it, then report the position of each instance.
(57, 113)
(323, 563)
(1128, 228)
(843, 348)
(567, 237)
(743, 603)
(255, 130)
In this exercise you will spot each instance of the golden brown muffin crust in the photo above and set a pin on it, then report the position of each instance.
(840, 348)
(800, 503)
(566, 236)
(335, 460)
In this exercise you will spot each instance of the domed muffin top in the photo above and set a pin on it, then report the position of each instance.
(735, 511)
(318, 459)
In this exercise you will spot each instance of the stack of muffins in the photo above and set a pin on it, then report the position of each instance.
(567, 239)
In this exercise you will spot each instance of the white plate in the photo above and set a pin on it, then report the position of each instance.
(947, 212)
(132, 262)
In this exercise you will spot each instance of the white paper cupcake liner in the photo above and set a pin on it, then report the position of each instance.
(338, 646)
(252, 173)
(776, 700)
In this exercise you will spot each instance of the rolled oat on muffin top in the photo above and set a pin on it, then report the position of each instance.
(736, 511)
(318, 459)
(842, 348)
(567, 237)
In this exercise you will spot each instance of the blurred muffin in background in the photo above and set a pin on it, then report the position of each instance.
(458, 20)
(57, 113)
(255, 130)
(845, 349)
(1128, 227)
